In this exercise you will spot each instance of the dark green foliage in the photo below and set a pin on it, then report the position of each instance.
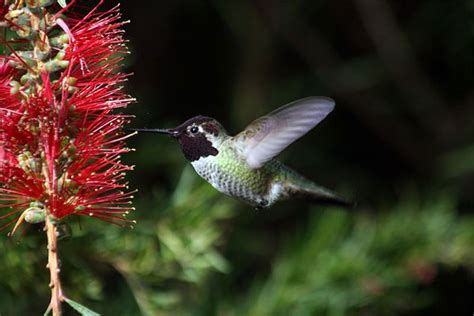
(156, 266)
(352, 265)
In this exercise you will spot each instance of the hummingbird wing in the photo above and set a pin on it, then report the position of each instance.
(267, 136)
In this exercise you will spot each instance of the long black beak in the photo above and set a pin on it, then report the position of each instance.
(170, 132)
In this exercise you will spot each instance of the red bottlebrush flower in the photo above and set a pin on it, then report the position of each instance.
(3, 9)
(60, 134)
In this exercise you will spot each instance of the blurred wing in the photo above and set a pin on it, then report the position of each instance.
(267, 136)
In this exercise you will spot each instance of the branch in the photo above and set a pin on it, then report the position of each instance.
(53, 266)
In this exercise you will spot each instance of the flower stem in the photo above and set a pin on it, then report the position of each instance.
(53, 265)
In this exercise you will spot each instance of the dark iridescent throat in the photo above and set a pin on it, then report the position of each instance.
(197, 146)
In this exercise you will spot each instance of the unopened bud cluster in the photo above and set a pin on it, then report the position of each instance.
(32, 23)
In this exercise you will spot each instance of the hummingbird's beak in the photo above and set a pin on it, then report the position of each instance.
(168, 131)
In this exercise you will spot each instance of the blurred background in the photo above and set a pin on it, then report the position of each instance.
(400, 142)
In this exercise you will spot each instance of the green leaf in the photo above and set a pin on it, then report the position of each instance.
(62, 3)
(80, 308)
(48, 311)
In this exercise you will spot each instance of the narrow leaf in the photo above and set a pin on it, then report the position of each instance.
(48, 311)
(84, 311)
(62, 3)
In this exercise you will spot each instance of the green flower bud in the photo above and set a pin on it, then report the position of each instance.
(15, 87)
(60, 55)
(35, 215)
(55, 65)
(27, 77)
(60, 40)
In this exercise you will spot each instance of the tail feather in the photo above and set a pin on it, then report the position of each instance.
(322, 196)
(304, 188)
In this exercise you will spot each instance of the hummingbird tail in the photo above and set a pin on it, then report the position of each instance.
(325, 196)
(301, 187)
(322, 196)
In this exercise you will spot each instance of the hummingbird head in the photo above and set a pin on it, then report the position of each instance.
(199, 136)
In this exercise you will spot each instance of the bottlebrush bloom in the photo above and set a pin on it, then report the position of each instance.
(61, 136)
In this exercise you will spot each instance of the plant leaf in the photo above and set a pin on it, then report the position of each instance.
(62, 3)
(48, 311)
(84, 311)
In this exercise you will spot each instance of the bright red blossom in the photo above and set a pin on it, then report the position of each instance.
(60, 134)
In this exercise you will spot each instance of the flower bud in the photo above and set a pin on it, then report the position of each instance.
(35, 215)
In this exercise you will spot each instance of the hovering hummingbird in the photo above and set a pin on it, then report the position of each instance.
(243, 166)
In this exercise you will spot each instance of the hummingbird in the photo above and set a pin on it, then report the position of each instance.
(244, 166)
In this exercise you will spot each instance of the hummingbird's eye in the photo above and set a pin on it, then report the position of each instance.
(194, 129)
